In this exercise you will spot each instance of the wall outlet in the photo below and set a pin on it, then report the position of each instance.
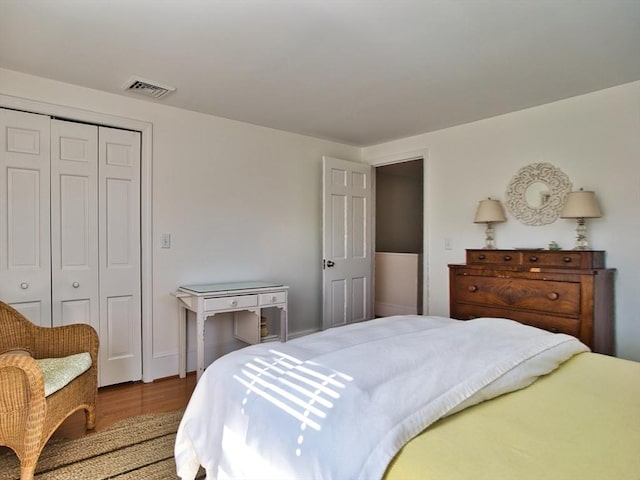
(165, 240)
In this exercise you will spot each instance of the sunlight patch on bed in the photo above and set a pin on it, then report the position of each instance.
(304, 390)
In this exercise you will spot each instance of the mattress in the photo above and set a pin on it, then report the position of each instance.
(580, 422)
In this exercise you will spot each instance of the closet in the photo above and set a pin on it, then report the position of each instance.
(70, 231)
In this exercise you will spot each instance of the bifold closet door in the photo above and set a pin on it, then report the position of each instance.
(25, 251)
(74, 223)
(119, 255)
(70, 232)
(95, 239)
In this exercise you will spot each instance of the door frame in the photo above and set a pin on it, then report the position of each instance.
(407, 157)
(146, 160)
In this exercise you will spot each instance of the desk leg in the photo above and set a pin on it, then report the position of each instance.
(284, 324)
(182, 339)
(200, 345)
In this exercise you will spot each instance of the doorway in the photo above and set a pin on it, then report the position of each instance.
(399, 238)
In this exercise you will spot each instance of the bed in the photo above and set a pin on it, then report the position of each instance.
(415, 397)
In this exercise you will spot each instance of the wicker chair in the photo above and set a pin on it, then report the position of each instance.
(27, 417)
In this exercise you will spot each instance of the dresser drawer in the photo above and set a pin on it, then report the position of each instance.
(272, 298)
(570, 326)
(553, 259)
(502, 257)
(536, 295)
(225, 303)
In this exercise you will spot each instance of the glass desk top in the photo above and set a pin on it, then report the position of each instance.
(226, 287)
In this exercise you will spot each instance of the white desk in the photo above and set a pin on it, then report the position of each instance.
(245, 300)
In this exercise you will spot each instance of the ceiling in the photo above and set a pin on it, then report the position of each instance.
(359, 72)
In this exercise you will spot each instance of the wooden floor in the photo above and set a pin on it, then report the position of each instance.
(130, 399)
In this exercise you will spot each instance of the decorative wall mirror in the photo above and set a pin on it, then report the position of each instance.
(536, 193)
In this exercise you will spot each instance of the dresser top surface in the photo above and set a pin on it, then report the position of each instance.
(530, 250)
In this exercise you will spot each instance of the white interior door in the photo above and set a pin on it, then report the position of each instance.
(347, 242)
(25, 263)
(119, 271)
(74, 223)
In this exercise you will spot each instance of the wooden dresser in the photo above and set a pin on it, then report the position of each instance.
(566, 291)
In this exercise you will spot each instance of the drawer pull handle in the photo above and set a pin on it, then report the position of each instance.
(554, 330)
(24, 285)
(234, 303)
(507, 258)
(481, 257)
(566, 259)
(273, 299)
(553, 296)
(75, 284)
(472, 288)
(533, 259)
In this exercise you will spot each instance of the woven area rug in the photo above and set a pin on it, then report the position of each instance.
(137, 448)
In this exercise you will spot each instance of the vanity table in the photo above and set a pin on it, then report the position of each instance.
(245, 300)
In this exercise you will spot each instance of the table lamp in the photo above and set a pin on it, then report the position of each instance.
(580, 205)
(489, 212)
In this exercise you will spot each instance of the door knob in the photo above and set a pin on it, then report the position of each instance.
(75, 284)
(330, 263)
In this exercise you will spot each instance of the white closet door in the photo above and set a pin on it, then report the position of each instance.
(119, 270)
(25, 263)
(74, 223)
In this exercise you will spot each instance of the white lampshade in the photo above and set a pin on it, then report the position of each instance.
(489, 211)
(581, 204)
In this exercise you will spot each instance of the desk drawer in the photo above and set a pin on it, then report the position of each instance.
(226, 303)
(273, 298)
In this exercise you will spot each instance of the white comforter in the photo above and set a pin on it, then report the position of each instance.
(340, 404)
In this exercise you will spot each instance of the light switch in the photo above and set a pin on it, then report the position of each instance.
(165, 240)
(448, 243)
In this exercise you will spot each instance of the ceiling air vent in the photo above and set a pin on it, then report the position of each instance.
(147, 87)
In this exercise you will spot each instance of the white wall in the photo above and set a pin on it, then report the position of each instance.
(241, 203)
(594, 139)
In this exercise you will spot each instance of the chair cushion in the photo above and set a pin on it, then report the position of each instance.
(58, 372)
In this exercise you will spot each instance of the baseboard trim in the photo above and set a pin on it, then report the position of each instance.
(388, 309)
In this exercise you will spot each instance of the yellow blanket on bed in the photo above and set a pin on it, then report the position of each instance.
(580, 422)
